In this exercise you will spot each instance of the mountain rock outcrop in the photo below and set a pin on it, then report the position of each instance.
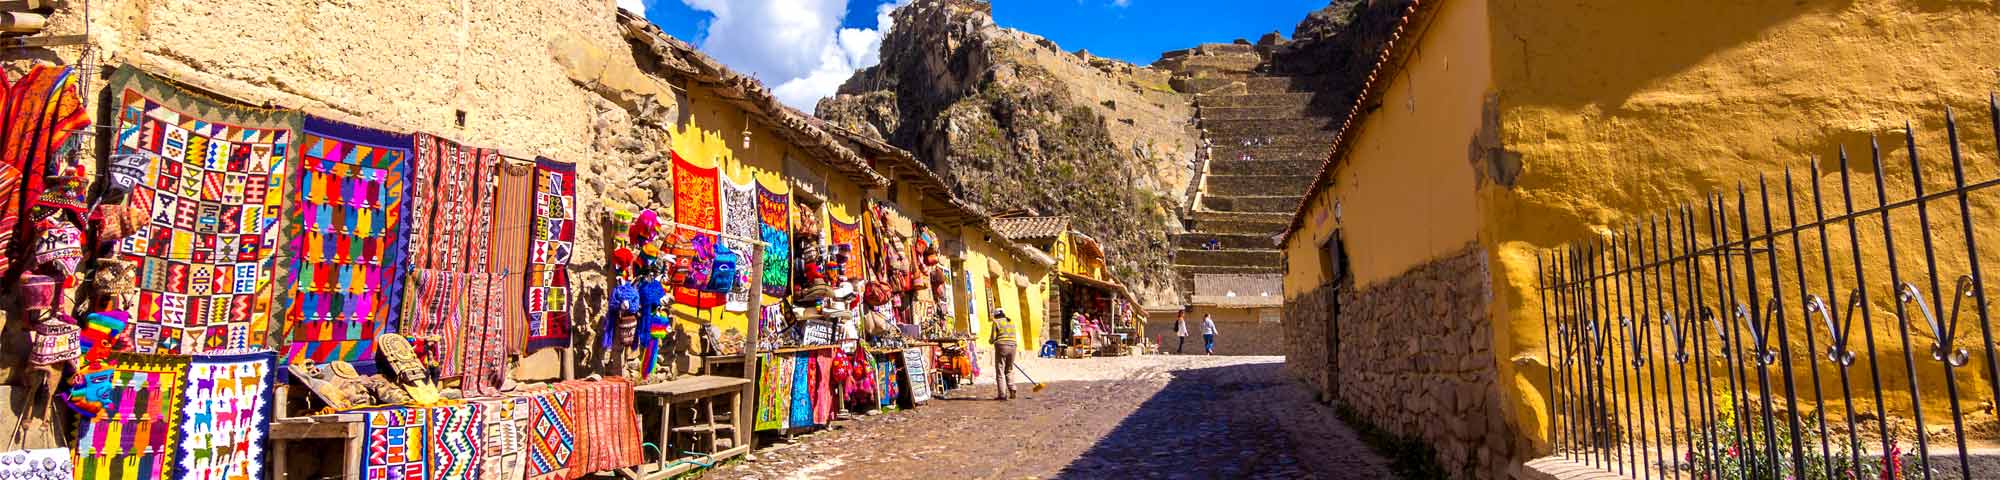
(1015, 122)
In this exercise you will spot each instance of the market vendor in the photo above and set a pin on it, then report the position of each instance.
(1004, 344)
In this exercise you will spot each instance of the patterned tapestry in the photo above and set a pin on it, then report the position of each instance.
(45, 115)
(608, 424)
(740, 219)
(774, 219)
(513, 219)
(452, 236)
(802, 394)
(774, 391)
(849, 234)
(697, 198)
(394, 444)
(455, 440)
(885, 375)
(226, 418)
(349, 226)
(485, 352)
(550, 244)
(434, 318)
(214, 181)
(551, 436)
(136, 436)
(506, 422)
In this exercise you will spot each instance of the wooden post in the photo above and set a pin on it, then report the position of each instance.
(756, 328)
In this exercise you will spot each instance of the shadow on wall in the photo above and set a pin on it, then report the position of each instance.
(1623, 49)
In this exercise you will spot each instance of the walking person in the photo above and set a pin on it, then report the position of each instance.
(1180, 329)
(1004, 344)
(1208, 333)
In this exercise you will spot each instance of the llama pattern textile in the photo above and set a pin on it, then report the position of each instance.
(137, 434)
(226, 418)
(550, 245)
(349, 226)
(213, 183)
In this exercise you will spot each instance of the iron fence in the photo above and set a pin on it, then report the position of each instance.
(1802, 329)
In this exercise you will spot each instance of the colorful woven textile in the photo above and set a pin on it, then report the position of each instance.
(801, 414)
(227, 416)
(434, 317)
(697, 203)
(551, 242)
(608, 424)
(214, 181)
(774, 391)
(822, 386)
(395, 444)
(45, 113)
(885, 374)
(739, 219)
(506, 421)
(443, 190)
(349, 226)
(551, 436)
(513, 219)
(774, 218)
(455, 441)
(485, 353)
(849, 234)
(136, 436)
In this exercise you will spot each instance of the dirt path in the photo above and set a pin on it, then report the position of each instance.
(1130, 417)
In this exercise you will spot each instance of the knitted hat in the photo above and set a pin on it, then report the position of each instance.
(58, 245)
(38, 292)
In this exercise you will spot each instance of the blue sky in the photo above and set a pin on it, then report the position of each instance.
(804, 48)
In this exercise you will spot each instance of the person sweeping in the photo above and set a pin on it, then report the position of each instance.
(1004, 344)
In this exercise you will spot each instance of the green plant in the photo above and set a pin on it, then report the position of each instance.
(1739, 450)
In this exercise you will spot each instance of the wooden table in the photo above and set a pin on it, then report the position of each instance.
(708, 389)
(345, 427)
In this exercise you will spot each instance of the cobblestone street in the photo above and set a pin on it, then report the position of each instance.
(1130, 417)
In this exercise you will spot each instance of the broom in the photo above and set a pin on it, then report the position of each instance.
(1039, 386)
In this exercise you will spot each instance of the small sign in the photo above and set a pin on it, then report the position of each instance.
(917, 362)
(816, 332)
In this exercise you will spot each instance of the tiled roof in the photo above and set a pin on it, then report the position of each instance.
(1031, 228)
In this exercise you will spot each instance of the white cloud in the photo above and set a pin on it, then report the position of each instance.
(637, 7)
(1122, 3)
(796, 46)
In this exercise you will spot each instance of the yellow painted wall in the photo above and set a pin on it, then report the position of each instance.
(1026, 304)
(1405, 188)
(1623, 109)
(1071, 259)
(712, 136)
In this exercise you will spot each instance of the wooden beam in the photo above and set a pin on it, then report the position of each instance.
(45, 41)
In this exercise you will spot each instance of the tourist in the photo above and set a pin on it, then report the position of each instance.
(1180, 329)
(1208, 333)
(1003, 355)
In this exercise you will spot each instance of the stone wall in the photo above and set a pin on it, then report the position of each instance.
(1306, 320)
(1238, 332)
(1417, 361)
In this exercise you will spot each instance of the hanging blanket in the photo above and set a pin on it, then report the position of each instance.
(774, 392)
(822, 386)
(214, 181)
(46, 113)
(551, 436)
(740, 219)
(802, 394)
(350, 229)
(849, 234)
(434, 317)
(136, 436)
(885, 371)
(485, 355)
(443, 184)
(774, 217)
(227, 416)
(513, 219)
(608, 426)
(697, 203)
(395, 446)
(548, 260)
(455, 441)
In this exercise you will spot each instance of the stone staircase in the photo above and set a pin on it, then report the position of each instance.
(1266, 144)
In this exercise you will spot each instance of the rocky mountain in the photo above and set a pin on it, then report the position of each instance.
(1015, 122)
